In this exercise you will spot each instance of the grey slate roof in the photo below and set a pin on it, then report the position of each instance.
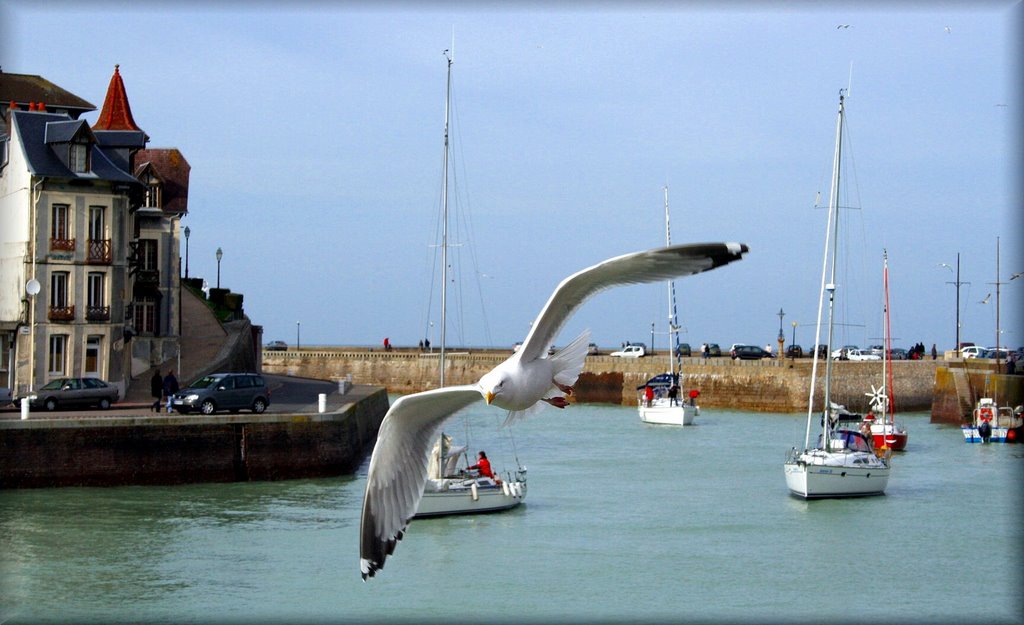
(63, 131)
(25, 88)
(36, 130)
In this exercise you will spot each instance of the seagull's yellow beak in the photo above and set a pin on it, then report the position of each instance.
(488, 396)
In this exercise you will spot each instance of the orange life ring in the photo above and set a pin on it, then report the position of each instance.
(986, 414)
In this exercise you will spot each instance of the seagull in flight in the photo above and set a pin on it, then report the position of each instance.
(522, 384)
(842, 26)
(985, 301)
(1017, 275)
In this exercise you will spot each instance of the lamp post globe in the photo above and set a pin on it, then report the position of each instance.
(220, 255)
(187, 233)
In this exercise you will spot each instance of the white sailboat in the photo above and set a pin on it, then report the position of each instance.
(660, 408)
(843, 463)
(449, 488)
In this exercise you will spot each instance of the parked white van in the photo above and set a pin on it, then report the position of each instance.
(971, 351)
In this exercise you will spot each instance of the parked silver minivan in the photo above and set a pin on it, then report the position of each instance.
(223, 391)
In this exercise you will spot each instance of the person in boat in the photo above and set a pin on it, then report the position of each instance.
(865, 429)
(649, 394)
(673, 395)
(483, 465)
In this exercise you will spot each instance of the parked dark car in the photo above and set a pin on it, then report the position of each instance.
(749, 352)
(74, 393)
(714, 351)
(794, 351)
(5, 396)
(277, 346)
(822, 351)
(683, 349)
(898, 353)
(223, 391)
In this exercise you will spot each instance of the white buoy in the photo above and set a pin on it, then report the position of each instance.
(473, 491)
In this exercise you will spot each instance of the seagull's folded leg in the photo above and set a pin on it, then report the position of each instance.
(565, 388)
(557, 402)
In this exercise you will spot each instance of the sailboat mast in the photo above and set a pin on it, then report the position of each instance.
(672, 325)
(831, 225)
(831, 286)
(887, 377)
(444, 220)
(997, 304)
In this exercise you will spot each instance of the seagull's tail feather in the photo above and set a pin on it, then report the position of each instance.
(518, 415)
(566, 366)
(568, 362)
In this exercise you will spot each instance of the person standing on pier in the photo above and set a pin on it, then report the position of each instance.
(170, 388)
(156, 389)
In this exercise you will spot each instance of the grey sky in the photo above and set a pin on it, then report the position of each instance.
(315, 140)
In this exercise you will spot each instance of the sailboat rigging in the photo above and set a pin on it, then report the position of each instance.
(449, 489)
(991, 422)
(880, 422)
(843, 463)
(665, 406)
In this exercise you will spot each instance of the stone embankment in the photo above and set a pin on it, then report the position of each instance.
(770, 386)
(115, 450)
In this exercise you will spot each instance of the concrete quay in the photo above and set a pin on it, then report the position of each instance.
(130, 445)
(767, 386)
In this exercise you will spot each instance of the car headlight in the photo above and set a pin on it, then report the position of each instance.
(191, 397)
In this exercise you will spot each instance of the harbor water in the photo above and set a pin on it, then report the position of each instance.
(623, 522)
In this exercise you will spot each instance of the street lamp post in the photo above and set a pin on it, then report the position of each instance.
(298, 343)
(220, 255)
(652, 337)
(782, 337)
(187, 232)
(958, 284)
(793, 323)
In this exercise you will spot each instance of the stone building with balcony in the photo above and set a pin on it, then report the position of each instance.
(89, 232)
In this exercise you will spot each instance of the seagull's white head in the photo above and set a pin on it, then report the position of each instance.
(494, 385)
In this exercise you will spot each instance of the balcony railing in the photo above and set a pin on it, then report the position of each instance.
(99, 252)
(148, 276)
(62, 245)
(97, 313)
(61, 313)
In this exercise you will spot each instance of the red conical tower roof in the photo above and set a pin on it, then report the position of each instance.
(116, 113)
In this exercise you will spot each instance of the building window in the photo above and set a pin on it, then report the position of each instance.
(78, 157)
(97, 308)
(60, 228)
(145, 315)
(60, 310)
(92, 355)
(153, 193)
(59, 289)
(58, 354)
(99, 242)
(147, 254)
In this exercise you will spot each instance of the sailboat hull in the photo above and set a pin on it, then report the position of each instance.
(462, 499)
(888, 437)
(818, 475)
(661, 412)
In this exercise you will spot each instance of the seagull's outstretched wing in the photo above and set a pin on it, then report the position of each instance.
(398, 468)
(651, 266)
